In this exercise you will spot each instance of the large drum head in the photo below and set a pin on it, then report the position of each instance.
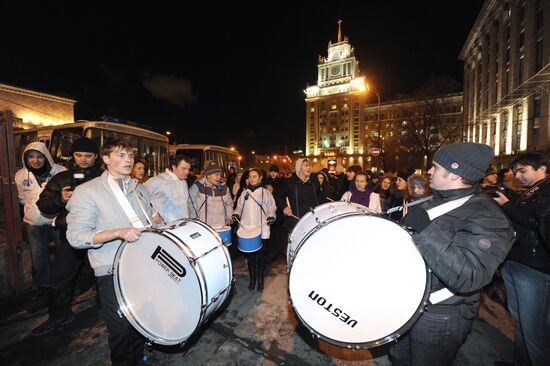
(158, 289)
(358, 281)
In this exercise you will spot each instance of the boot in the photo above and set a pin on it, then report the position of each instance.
(260, 267)
(252, 270)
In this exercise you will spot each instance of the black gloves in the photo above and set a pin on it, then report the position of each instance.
(270, 220)
(236, 218)
(417, 218)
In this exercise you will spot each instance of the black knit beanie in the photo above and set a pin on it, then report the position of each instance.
(84, 144)
(466, 159)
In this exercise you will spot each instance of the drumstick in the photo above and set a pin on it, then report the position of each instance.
(329, 199)
(291, 214)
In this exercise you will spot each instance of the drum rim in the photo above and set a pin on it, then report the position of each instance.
(318, 227)
(377, 342)
(204, 290)
(129, 314)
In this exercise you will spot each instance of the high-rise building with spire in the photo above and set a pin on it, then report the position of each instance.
(334, 107)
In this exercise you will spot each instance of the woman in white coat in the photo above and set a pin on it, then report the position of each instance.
(256, 208)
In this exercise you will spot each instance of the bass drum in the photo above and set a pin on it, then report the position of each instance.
(171, 280)
(311, 220)
(357, 280)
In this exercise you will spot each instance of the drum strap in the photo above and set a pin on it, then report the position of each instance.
(444, 294)
(124, 203)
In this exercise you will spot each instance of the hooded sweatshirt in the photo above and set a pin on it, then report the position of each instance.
(29, 186)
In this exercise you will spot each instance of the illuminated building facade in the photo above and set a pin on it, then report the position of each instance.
(346, 124)
(507, 78)
(32, 109)
(335, 106)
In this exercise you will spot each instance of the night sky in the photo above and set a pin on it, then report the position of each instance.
(222, 73)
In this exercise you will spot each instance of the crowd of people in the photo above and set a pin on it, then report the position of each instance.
(466, 219)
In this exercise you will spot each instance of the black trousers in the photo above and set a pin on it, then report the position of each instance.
(63, 273)
(125, 343)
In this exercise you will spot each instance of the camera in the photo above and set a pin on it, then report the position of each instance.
(493, 188)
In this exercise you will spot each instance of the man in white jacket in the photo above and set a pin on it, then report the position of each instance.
(169, 192)
(38, 169)
(210, 199)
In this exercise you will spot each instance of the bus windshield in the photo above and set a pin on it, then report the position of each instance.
(152, 146)
(195, 157)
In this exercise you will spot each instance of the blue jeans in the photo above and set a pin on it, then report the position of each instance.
(38, 237)
(528, 293)
(435, 338)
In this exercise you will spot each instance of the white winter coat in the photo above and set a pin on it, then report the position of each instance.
(28, 188)
(169, 196)
(255, 207)
(216, 203)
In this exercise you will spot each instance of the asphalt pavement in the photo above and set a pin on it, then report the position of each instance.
(252, 328)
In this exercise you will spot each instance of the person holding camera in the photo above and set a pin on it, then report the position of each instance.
(83, 166)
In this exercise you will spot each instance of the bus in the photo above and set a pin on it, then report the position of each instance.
(199, 154)
(152, 146)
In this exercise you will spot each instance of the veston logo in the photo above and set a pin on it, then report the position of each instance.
(174, 269)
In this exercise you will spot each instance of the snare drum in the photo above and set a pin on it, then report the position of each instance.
(356, 280)
(170, 281)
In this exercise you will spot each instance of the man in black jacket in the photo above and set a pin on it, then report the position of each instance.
(83, 167)
(300, 192)
(526, 272)
(279, 235)
(463, 236)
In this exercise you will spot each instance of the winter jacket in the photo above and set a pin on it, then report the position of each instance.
(50, 202)
(254, 207)
(29, 189)
(302, 196)
(465, 246)
(374, 201)
(211, 205)
(93, 207)
(169, 196)
(531, 219)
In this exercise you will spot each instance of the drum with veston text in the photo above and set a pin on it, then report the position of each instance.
(356, 280)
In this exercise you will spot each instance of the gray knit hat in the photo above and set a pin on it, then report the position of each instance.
(466, 159)
(213, 168)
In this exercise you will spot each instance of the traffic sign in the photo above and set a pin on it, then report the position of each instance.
(375, 151)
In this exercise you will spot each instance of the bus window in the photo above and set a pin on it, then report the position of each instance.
(61, 143)
(195, 156)
(153, 151)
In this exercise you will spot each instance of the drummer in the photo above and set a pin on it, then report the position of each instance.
(463, 236)
(256, 208)
(169, 192)
(299, 194)
(210, 198)
(103, 213)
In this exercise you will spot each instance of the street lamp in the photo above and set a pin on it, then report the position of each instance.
(170, 133)
(379, 125)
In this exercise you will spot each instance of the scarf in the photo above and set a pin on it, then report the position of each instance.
(360, 197)
(531, 191)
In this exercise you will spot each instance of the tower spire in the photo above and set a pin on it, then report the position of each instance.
(339, 30)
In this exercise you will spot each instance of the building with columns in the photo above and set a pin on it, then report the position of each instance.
(507, 78)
